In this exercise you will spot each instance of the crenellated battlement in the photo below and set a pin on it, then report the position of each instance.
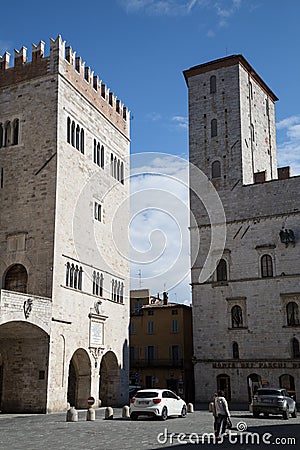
(63, 60)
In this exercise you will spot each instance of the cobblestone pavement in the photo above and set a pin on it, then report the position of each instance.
(41, 432)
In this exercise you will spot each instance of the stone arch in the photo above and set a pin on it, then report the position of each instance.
(109, 388)
(223, 384)
(24, 350)
(16, 278)
(79, 379)
(287, 381)
(253, 383)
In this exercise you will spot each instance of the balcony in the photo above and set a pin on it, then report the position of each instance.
(162, 363)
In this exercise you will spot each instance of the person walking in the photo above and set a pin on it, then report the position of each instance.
(221, 413)
(212, 409)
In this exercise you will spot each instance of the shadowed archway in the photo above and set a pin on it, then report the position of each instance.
(109, 389)
(79, 380)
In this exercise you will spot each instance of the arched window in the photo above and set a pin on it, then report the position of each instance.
(295, 349)
(122, 293)
(236, 317)
(101, 286)
(82, 140)
(94, 282)
(7, 134)
(216, 169)
(235, 350)
(77, 136)
(67, 274)
(102, 157)
(112, 164)
(214, 128)
(115, 290)
(122, 172)
(292, 313)
(97, 283)
(80, 276)
(95, 151)
(115, 168)
(16, 279)
(98, 154)
(118, 171)
(118, 291)
(68, 130)
(222, 270)
(75, 285)
(213, 84)
(1, 135)
(266, 266)
(72, 268)
(15, 132)
(73, 133)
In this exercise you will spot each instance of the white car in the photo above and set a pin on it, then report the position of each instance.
(160, 403)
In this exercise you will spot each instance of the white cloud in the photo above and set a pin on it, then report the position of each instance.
(154, 116)
(288, 146)
(159, 225)
(181, 121)
(210, 34)
(223, 9)
(288, 122)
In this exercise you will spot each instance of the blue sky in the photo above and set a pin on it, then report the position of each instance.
(139, 48)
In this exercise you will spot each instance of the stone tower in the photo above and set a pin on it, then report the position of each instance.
(231, 117)
(64, 166)
(246, 312)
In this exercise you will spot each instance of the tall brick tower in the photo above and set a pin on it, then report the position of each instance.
(246, 311)
(64, 165)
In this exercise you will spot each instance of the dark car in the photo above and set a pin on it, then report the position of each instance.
(273, 401)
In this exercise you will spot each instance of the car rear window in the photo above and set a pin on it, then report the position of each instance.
(269, 392)
(147, 394)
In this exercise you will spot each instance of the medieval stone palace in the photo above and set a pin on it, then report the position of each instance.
(64, 165)
(246, 314)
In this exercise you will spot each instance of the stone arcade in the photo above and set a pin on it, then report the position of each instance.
(246, 315)
(64, 165)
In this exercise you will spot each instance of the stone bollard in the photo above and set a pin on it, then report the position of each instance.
(91, 414)
(72, 415)
(125, 411)
(190, 408)
(109, 413)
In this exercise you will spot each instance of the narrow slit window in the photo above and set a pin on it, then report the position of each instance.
(214, 128)
(213, 84)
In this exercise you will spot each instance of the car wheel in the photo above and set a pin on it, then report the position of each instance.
(255, 414)
(183, 411)
(294, 413)
(285, 414)
(164, 414)
(133, 416)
